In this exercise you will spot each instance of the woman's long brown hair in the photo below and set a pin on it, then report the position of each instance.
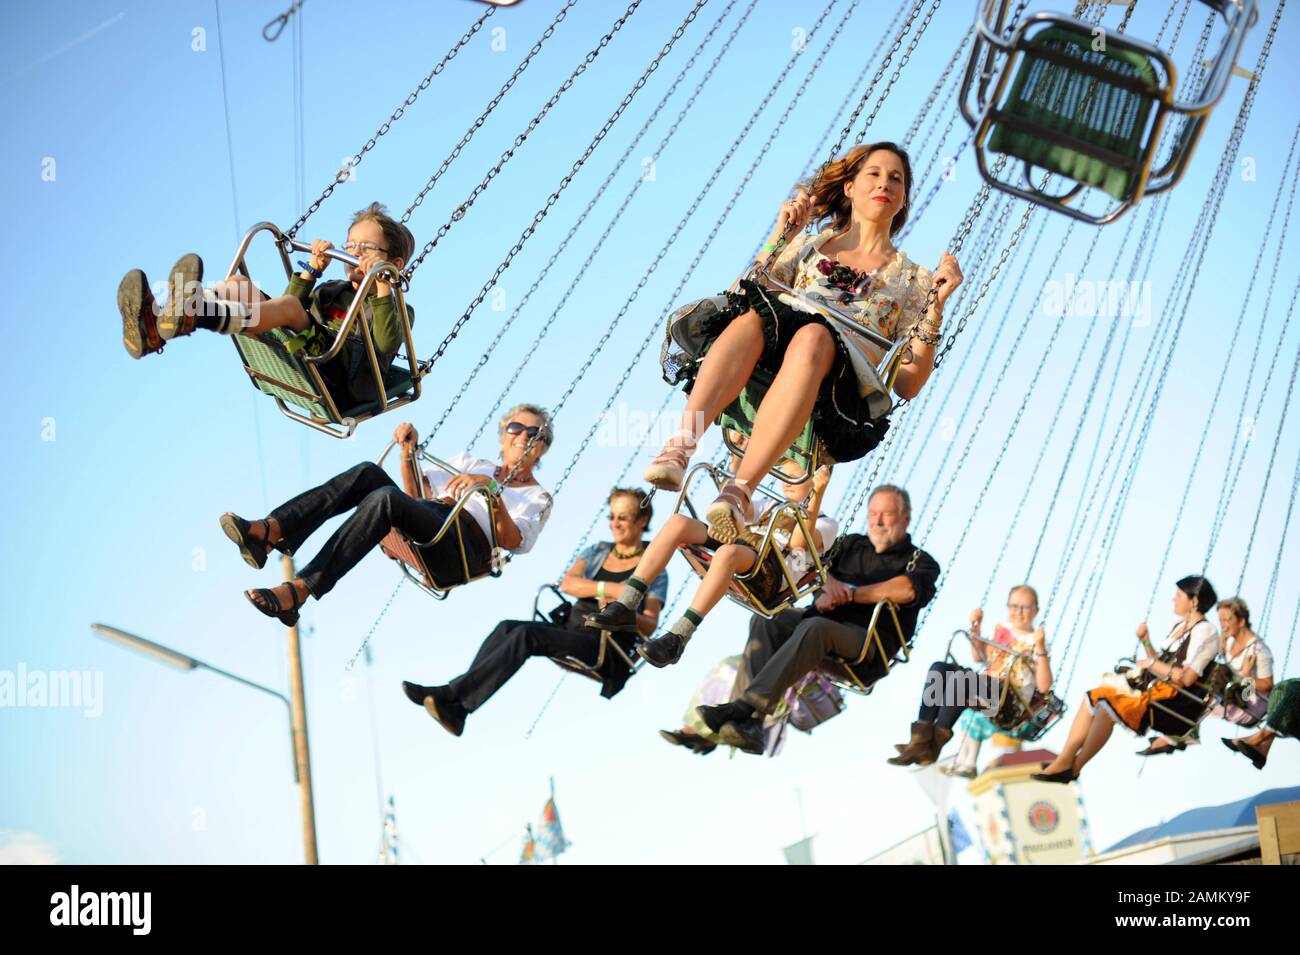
(829, 201)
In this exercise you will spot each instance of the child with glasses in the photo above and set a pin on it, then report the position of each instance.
(951, 689)
(313, 309)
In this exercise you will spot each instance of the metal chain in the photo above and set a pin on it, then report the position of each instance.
(1222, 377)
(938, 87)
(365, 641)
(344, 174)
(1162, 205)
(1230, 479)
(853, 118)
(1076, 440)
(1058, 415)
(492, 104)
(272, 30)
(555, 195)
(459, 212)
(1029, 392)
(656, 328)
(1272, 457)
(1281, 543)
(557, 309)
(1213, 203)
(898, 71)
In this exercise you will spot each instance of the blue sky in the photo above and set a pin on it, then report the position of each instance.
(115, 518)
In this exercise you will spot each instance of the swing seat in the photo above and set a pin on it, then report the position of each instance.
(413, 558)
(738, 417)
(1087, 105)
(289, 379)
(292, 378)
(1027, 722)
(1079, 112)
(891, 650)
(758, 596)
(610, 649)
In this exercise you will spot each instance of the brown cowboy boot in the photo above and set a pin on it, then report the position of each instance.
(937, 743)
(917, 748)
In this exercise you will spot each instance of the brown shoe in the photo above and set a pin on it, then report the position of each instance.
(941, 737)
(139, 310)
(185, 283)
(918, 747)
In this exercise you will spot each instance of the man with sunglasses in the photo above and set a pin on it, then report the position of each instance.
(377, 505)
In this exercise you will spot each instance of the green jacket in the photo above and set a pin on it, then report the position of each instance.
(329, 302)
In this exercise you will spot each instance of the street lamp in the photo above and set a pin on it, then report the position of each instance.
(296, 705)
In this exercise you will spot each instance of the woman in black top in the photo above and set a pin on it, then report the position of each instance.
(595, 578)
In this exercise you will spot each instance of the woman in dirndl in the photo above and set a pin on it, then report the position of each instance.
(1190, 648)
(1251, 663)
(818, 370)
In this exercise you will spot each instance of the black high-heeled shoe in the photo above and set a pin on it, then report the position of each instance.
(266, 601)
(1154, 750)
(1064, 776)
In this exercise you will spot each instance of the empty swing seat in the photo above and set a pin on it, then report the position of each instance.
(1079, 112)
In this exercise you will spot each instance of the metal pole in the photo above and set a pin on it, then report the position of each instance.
(298, 718)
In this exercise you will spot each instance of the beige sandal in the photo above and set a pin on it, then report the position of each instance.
(668, 470)
(729, 513)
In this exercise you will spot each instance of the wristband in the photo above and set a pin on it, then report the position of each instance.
(493, 487)
(776, 246)
(600, 590)
(306, 267)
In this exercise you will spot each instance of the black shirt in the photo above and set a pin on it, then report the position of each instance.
(853, 559)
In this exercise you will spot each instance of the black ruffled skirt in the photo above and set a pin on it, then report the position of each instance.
(841, 417)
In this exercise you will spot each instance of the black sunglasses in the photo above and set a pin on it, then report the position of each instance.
(517, 427)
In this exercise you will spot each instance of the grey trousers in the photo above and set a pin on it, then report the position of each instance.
(781, 650)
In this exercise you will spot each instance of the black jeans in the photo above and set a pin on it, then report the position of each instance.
(380, 506)
(950, 689)
(510, 645)
(781, 650)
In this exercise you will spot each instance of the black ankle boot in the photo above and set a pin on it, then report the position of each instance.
(716, 717)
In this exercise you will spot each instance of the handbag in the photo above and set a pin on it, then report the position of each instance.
(813, 701)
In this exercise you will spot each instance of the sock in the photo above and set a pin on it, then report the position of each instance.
(633, 592)
(685, 625)
(218, 315)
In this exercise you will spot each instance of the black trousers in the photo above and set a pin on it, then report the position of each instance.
(781, 650)
(378, 505)
(950, 689)
(510, 645)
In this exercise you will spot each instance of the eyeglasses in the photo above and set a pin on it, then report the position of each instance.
(358, 248)
(1022, 607)
(625, 518)
(518, 427)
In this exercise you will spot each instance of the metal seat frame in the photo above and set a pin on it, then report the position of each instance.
(336, 425)
(1044, 709)
(607, 642)
(407, 552)
(699, 557)
(987, 80)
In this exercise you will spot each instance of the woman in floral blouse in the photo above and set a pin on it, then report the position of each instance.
(819, 370)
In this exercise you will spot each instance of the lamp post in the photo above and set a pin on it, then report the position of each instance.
(295, 704)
